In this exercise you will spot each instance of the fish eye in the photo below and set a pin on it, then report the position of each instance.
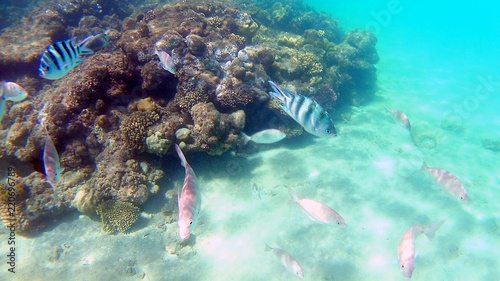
(402, 266)
(461, 197)
(191, 223)
(328, 131)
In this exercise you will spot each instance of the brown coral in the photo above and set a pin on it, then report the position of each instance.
(134, 128)
(117, 216)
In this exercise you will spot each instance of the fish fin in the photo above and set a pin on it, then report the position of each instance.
(430, 231)
(295, 198)
(424, 166)
(286, 110)
(245, 137)
(181, 155)
(268, 248)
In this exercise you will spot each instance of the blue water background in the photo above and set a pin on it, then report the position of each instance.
(444, 50)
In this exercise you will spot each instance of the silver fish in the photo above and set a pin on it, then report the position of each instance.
(307, 112)
(189, 199)
(266, 136)
(287, 260)
(406, 248)
(401, 118)
(10, 91)
(51, 162)
(61, 57)
(449, 183)
(96, 42)
(166, 61)
(317, 211)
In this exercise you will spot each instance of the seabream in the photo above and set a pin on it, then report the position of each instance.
(265, 136)
(189, 199)
(401, 118)
(10, 91)
(307, 112)
(406, 248)
(287, 260)
(317, 211)
(449, 183)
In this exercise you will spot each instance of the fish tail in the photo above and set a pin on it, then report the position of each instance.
(181, 156)
(84, 49)
(388, 110)
(294, 196)
(424, 166)
(430, 231)
(245, 137)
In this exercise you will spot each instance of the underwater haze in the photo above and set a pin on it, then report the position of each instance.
(438, 67)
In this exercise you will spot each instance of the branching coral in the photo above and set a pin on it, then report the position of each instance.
(117, 216)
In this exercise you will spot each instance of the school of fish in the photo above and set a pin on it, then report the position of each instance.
(62, 57)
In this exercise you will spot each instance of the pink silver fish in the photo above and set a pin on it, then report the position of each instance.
(406, 248)
(401, 118)
(12, 92)
(166, 61)
(449, 183)
(51, 162)
(317, 211)
(287, 260)
(189, 200)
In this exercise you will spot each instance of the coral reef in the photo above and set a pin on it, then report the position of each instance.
(115, 116)
(117, 216)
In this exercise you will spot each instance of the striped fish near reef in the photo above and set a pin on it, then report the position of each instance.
(406, 248)
(307, 112)
(61, 57)
(189, 199)
(12, 92)
(449, 183)
(317, 211)
(287, 260)
(265, 136)
(401, 118)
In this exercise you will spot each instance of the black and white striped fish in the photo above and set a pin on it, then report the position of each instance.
(61, 57)
(307, 112)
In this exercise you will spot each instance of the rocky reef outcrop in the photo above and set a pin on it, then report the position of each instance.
(117, 114)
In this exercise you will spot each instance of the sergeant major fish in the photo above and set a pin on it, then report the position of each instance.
(189, 199)
(12, 92)
(449, 183)
(406, 248)
(401, 118)
(61, 57)
(317, 211)
(307, 112)
(266, 136)
(287, 260)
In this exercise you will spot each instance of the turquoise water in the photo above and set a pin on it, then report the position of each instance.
(439, 65)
